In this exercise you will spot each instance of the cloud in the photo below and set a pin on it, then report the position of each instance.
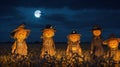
(56, 17)
(65, 20)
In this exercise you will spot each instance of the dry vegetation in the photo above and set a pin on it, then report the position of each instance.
(60, 60)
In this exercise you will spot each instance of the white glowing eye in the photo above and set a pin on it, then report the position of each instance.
(37, 13)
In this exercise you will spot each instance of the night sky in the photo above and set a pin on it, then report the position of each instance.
(65, 15)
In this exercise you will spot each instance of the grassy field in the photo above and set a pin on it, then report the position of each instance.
(32, 60)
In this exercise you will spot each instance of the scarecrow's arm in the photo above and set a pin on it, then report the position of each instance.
(13, 47)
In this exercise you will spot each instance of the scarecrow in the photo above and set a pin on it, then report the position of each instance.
(113, 52)
(48, 45)
(96, 44)
(20, 34)
(73, 44)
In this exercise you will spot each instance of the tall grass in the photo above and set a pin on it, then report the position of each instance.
(33, 60)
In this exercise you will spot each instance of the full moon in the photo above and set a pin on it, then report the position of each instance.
(37, 13)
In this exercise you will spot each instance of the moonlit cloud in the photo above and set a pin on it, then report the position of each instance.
(65, 15)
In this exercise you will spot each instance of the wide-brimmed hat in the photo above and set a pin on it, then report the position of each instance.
(21, 25)
(96, 27)
(111, 37)
(74, 32)
(17, 29)
(49, 27)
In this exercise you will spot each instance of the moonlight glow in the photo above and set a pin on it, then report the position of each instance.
(37, 13)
